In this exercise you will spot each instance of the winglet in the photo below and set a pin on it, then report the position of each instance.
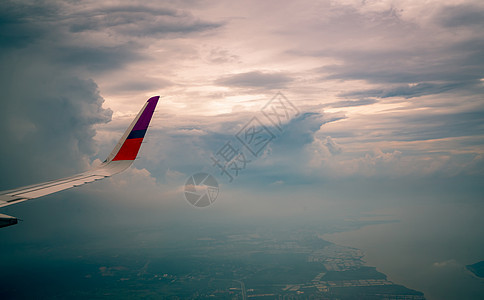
(130, 143)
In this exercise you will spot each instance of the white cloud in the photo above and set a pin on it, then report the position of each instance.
(451, 263)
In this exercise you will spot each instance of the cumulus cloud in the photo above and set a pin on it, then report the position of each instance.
(48, 109)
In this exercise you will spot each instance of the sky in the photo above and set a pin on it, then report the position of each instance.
(389, 98)
(395, 86)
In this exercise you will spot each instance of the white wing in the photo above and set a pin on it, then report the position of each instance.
(119, 160)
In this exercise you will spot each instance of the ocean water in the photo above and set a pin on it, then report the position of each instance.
(427, 249)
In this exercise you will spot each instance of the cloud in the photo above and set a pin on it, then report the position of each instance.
(55, 111)
(285, 158)
(351, 103)
(96, 39)
(332, 146)
(256, 79)
(395, 54)
(114, 16)
(48, 109)
(140, 21)
(98, 58)
(462, 15)
(407, 91)
(451, 263)
(300, 130)
(219, 55)
(135, 86)
(408, 66)
(16, 28)
(172, 175)
(60, 136)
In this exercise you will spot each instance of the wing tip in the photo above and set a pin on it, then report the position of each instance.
(154, 99)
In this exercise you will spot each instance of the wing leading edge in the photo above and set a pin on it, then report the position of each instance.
(122, 156)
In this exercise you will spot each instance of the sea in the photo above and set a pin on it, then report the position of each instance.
(426, 248)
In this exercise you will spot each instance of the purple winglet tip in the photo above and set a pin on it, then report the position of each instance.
(145, 117)
(154, 99)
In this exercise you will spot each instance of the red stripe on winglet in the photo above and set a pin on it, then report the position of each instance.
(129, 150)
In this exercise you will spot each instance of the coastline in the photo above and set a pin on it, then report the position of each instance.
(426, 250)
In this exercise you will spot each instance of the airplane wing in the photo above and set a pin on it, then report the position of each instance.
(119, 160)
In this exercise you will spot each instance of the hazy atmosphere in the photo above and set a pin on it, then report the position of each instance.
(379, 145)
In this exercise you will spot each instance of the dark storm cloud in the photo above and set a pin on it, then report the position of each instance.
(47, 120)
(16, 29)
(140, 21)
(115, 16)
(256, 79)
(41, 26)
(98, 58)
(170, 28)
(48, 108)
(63, 32)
